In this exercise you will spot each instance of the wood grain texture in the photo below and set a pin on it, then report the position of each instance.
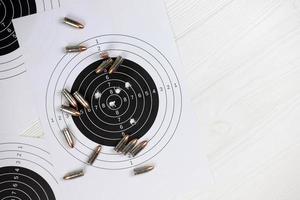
(242, 59)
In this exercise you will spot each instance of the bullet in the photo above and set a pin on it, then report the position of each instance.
(94, 155)
(82, 101)
(138, 148)
(70, 111)
(129, 146)
(115, 65)
(70, 98)
(105, 64)
(120, 146)
(142, 170)
(73, 23)
(68, 136)
(74, 175)
(75, 49)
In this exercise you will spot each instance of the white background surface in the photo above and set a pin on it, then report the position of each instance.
(242, 59)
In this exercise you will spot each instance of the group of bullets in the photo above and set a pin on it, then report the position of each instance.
(132, 147)
(90, 161)
(107, 63)
(125, 146)
(73, 99)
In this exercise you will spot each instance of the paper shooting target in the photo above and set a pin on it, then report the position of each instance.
(142, 99)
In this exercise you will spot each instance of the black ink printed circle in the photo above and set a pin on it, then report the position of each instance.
(125, 101)
(22, 183)
(11, 9)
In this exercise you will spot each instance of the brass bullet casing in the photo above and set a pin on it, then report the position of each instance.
(138, 148)
(129, 146)
(70, 111)
(74, 175)
(69, 138)
(75, 49)
(114, 67)
(104, 55)
(105, 64)
(82, 101)
(94, 155)
(120, 146)
(143, 169)
(70, 98)
(73, 23)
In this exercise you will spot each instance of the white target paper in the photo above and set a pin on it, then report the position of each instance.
(18, 114)
(145, 98)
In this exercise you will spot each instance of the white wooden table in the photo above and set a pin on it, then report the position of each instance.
(242, 59)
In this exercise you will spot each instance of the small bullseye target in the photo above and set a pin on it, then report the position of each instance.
(25, 171)
(10, 10)
(22, 183)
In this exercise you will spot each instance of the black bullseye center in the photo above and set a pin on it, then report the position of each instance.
(125, 101)
(114, 102)
(108, 109)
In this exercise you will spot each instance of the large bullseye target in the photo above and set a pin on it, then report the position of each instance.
(125, 101)
(142, 99)
(22, 183)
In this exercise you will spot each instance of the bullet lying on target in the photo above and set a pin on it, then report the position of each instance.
(73, 175)
(69, 138)
(138, 148)
(73, 23)
(82, 101)
(129, 146)
(70, 111)
(95, 154)
(75, 49)
(70, 98)
(119, 60)
(143, 169)
(120, 146)
(105, 64)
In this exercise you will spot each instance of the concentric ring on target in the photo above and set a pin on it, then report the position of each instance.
(146, 76)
